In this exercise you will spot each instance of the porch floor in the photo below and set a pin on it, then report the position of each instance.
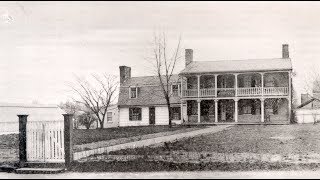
(238, 123)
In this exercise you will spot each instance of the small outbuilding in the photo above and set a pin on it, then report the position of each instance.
(309, 110)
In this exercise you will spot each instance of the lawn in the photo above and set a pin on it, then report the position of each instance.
(260, 139)
(9, 145)
(243, 139)
(82, 136)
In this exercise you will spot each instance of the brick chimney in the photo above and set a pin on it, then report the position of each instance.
(125, 73)
(285, 51)
(188, 56)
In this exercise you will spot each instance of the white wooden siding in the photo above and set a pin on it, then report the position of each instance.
(115, 119)
(162, 116)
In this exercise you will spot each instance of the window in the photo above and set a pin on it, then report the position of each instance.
(176, 113)
(133, 92)
(135, 114)
(109, 116)
(175, 88)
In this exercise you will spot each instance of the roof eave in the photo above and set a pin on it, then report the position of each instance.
(225, 72)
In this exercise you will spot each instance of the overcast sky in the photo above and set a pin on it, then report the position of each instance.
(44, 44)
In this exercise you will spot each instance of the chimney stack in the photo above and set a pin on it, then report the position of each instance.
(285, 51)
(188, 56)
(125, 73)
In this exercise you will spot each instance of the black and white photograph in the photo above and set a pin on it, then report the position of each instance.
(163, 89)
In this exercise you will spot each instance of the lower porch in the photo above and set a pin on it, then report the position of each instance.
(238, 111)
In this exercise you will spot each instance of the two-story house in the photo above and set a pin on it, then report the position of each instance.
(229, 91)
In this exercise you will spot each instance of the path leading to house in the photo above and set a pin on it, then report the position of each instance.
(146, 140)
(112, 142)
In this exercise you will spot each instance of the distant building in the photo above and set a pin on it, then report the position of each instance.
(9, 119)
(309, 109)
(237, 91)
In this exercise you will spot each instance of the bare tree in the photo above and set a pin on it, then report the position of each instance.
(97, 95)
(71, 108)
(87, 119)
(164, 64)
(312, 83)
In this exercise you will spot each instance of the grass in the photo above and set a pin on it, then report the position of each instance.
(9, 145)
(288, 139)
(142, 165)
(82, 136)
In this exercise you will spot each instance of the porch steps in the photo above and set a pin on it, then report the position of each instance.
(39, 170)
(44, 165)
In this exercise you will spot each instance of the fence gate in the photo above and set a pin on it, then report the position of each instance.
(45, 141)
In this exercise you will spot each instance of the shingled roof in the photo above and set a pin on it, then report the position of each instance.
(149, 92)
(238, 66)
(148, 80)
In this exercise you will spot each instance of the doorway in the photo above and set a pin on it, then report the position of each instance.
(152, 116)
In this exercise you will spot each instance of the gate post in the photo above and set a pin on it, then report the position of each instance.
(68, 127)
(22, 140)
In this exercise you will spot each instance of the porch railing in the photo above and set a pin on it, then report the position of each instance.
(207, 92)
(276, 91)
(249, 91)
(226, 92)
(190, 93)
(230, 92)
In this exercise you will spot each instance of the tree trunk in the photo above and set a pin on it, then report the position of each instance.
(101, 124)
(170, 115)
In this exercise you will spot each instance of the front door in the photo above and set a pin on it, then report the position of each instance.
(152, 116)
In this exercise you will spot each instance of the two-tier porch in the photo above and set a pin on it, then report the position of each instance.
(251, 97)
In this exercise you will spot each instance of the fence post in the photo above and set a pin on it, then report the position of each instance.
(22, 140)
(68, 127)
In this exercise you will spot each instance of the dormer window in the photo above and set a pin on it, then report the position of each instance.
(175, 89)
(133, 92)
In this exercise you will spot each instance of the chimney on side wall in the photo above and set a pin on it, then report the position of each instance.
(188, 56)
(285, 51)
(125, 73)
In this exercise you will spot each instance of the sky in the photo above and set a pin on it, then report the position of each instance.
(44, 45)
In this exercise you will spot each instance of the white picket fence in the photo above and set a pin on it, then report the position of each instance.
(45, 141)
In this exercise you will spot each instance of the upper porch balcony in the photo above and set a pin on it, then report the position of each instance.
(237, 85)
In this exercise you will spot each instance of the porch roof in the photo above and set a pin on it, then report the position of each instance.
(238, 66)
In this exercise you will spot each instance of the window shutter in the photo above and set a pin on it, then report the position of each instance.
(140, 114)
(138, 91)
(130, 114)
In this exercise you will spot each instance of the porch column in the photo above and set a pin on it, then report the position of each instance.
(216, 85)
(199, 110)
(199, 85)
(262, 109)
(290, 95)
(236, 84)
(216, 110)
(262, 84)
(181, 113)
(236, 110)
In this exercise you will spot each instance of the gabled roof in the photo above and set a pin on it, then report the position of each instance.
(149, 92)
(148, 80)
(308, 102)
(238, 66)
